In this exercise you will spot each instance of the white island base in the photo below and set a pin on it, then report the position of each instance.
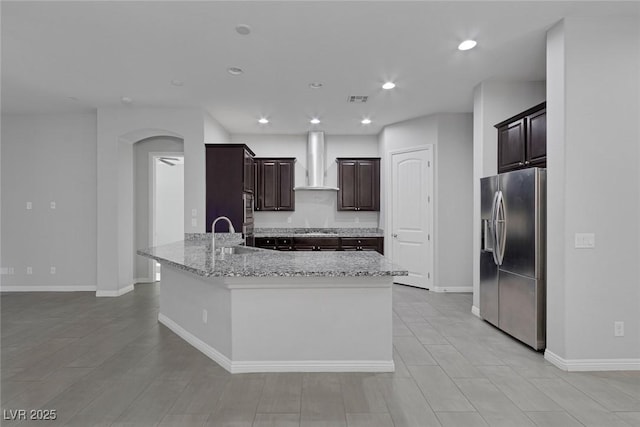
(282, 324)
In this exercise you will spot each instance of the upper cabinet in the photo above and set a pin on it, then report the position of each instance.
(229, 182)
(522, 140)
(359, 184)
(274, 184)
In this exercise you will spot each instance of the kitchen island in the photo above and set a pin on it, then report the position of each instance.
(257, 310)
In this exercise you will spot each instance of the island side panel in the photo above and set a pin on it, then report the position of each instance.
(183, 297)
(340, 324)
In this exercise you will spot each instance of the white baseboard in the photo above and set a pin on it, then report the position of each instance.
(312, 366)
(452, 289)
(143, 280)
(276, 365)
(582, 365)
(475, 311)
(117, 293)
(205, 348)
(42, 288)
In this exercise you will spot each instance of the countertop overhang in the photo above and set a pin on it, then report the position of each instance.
(196, 256)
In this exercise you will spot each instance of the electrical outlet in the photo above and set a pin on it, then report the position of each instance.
(29, 206)
(585, 240)
(52, 205)
(194, 222)
(205, 316)
(194, 212)
(618, 329)
(289, 219)
(52, 270)
(29, 270)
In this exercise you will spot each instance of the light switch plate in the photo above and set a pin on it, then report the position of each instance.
(585, 240)
(29, 205)
(194, 222)
(29, 270)
(194, 212)
(52, 270)
(52, 205)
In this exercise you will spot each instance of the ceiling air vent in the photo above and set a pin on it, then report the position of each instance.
(358, 99)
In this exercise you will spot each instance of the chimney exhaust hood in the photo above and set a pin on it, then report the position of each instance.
(315, 163)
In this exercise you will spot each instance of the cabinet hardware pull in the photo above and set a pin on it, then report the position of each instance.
(526, 162)
(520, 163)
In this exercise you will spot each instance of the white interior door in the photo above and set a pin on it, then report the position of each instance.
(411, 216)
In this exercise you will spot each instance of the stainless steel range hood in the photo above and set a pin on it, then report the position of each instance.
(315, 163)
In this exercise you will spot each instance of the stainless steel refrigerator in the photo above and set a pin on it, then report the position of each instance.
(513, 252)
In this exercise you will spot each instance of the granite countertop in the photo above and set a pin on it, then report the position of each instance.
(318, 232)
(195, 255)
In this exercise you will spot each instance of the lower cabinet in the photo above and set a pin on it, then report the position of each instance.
(362, 244)
(316, 243)
(274, 243)
(321, 243)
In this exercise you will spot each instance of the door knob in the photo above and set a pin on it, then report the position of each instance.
(395, 236)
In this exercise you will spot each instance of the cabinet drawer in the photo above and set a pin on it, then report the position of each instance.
(265, 241)
(359, 241)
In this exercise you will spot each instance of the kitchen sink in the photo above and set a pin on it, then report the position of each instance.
(235, 250)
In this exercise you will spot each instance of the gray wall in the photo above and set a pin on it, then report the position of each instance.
(141, 152)
(452, 138)
(493, 102)
(313, 208)
(118, 130)
(593, 183)
(49, 158)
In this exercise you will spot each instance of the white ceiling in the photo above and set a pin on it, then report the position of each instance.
(98, 52)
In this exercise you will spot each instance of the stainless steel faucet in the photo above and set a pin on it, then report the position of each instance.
(213, 231)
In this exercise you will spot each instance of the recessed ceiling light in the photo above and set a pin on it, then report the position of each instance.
(388, 85)
(243, 29)
(263, 121)
(366, 121)
(315, 85)
(467, 44)
(236, 71)
(314, 121)
(73, 98)
(176, 82)
(126, 100)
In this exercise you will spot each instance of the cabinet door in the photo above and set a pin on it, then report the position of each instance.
(316, 243)
(268, 185)
(537, 139)
(286, 196)
(347, 178)
(248, 178)
(511, 146)
(368, 185)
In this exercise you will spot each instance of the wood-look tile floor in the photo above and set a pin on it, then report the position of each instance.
(107, 362)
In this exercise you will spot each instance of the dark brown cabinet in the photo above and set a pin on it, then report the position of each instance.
(275, 243)
(274, 184)
(362, 244)
(316, 243)
(229, 185)
(359, 184)
(303, 243)
(522, 140)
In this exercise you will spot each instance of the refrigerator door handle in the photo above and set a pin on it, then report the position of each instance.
(493, 228)
(501, 228)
